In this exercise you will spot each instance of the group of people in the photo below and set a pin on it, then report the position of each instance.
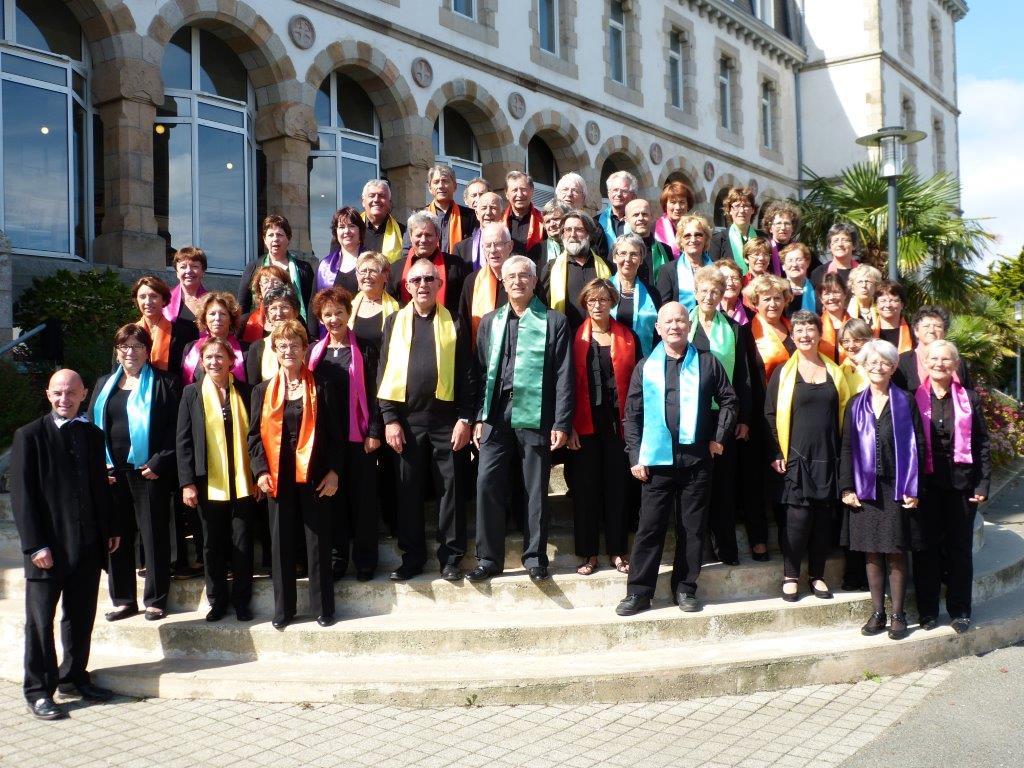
(680, 374)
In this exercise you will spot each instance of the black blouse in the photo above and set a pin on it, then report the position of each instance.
(118, 434)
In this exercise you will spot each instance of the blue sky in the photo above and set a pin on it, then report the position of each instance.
(991, 27)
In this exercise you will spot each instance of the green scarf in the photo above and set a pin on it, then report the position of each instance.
(737, 241)
(293, 275)
(721, 341)
(660, 255)
(528, 376)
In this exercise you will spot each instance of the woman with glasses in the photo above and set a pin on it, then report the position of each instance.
(280, 304)
(219, 317)
(638, 302)
(782, 220)
(136, 406)
(930, 323)
(843, 245)
(758, 254)
(675, 281)
(889, 323)
(732, 293)
(739, 209)
(254, 323)
(676, 201)
(863, 285)
(834, 301)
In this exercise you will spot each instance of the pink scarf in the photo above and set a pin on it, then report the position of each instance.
(173, 308)
(665, 233)
(961, 421)
(833, 266)
(358, 411)
(191, 362)
(737, 313)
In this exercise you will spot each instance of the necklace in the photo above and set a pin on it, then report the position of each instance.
(293, 384)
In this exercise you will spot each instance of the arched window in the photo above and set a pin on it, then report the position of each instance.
(540, 164)
(348, 157)
(203, 151)
(46, 155)
(455, 144)
(719, 216)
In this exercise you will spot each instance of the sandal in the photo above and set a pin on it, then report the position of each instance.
(588, 567)
(621, 564)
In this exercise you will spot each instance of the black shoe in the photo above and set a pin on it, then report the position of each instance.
(761, 557)
(687, 603)
(928, 623)
(216, 613)
(451, 573)
(155, 614)
(45, 708)
(280, 623)
(402, 573)
(631, 605)
(481, 573)
(539, 573)
(183, 573)
(121, 612)
(325, 620)
(821, 594)
(243, 614)
(364, 575)
(875, 625)
(87, 691)
(960, 624)
(897, 626)
(791, 597)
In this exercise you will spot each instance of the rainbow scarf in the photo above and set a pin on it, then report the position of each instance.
(140, 405)
(358, 410)
(962, 415)
(656, 439)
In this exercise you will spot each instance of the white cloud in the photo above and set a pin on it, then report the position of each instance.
(992, 157)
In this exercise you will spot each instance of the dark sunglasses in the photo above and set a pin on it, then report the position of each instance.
(428, 279)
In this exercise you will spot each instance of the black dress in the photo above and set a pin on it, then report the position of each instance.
(812, 466)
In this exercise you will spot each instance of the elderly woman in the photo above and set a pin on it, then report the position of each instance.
(213, 471)
(878, 478)
(930, 324)
(732, 296)
(189, 267)
(782, 220)
(151, 295)
(796, 258)
(280, 304)
(758, 254)
(675, 278)
(890, 323)
(637, 303)
(277, 236)
(804, 408)
(218, 316)
(263, 279)
(136, 406)
(843, 245)
(955, 473)
(676, 201)
(711, 330)
(862, 283)
(605, 352)
(739, 208)
(554, 212)
(337, 362)
(768, 296)
(854, 334)
(338, 267)
(833, 315)
(296, 452)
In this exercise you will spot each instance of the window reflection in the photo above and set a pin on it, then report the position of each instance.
(48, 26)
(176, 67)
(323, 201)
(222, 196)
(172, 183)
(220, 71)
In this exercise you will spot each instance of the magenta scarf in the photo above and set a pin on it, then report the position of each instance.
(665, 233)
(904, 443)
(191, 362)
(961, 422)
(173, 308)
(358, 411)
(737, 313)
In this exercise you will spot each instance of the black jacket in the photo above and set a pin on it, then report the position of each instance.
(740, 371)
(720, 248)
(192, 431)
(971, 478)
(45, 500)
(254, 361)
(465, 315)
(906, 376)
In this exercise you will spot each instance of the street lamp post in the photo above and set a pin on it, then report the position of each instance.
(1018, 315)
(890, 142)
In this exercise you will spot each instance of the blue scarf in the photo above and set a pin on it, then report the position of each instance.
(140, 403)
(604, 218)
(645, 314)
(656, 440)
(809, 299)
(685, 286)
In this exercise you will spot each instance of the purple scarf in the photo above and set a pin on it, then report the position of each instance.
(191, 362)
(358, 411)
(776, 265)
(327, 272)
(173, 308)
(904, 440)
(475, 250)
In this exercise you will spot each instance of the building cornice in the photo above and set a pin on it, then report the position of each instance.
(956, 8)
(750, 30)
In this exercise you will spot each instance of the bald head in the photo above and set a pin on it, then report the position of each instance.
(673, 325)
(66, 391)
(639, 217)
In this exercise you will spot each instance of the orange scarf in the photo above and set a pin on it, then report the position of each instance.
(829, 344)
(485, 297)
(272, 422)
(454, 224)
(906, 341)
(254, 326)
(160, 355)
(536, 231)
(442, 274)
(624, 360)
(771, 349)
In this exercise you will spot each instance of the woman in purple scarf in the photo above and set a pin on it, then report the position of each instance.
(878, 481)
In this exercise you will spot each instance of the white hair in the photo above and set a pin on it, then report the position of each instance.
(949, 346)
(625, 176)
(516, 262)
(376, 184)
(880, 347)
(572, 179)
(419, 218)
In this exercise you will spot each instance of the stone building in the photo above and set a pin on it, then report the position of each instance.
(133, 127)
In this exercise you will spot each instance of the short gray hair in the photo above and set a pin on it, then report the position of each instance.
(516, 175)
(554, 204)
(428, 262)
(419, 218)
(443, 169)
(480, 180)
(374, 257)
(572, 179)
(629, 239)
(376, 184)
(517, 261)
(880, 347)
(947, 344)
(625, 176)
(842, 228)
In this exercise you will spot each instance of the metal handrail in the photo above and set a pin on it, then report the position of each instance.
(22, 339)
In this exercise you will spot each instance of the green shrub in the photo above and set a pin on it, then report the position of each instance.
(23, 398)
(90, 306)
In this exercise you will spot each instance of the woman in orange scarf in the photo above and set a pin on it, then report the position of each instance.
(151, 295)
(889, 323)
(833, 315)
(296, 451)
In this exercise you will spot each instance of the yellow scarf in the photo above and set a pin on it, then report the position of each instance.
(857, 381)
(268, 361)
(485, 297)
(784, 402)
(560, 278)
(396, 373)
(217, 443)
(388, 304)
(391, 246)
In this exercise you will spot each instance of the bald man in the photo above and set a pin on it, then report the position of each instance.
(61, 500)
(670, 451)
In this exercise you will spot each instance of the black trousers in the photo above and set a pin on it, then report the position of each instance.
(355, 513)
(682, 493)
(227, 540)
(600, 475)
(299, 502)
(79, 589)
(429, 449)
(722, 516)
(806, 530)
(387, 489)
(143, 506)
(750, 475)
(498, 452)
(186, 520)
(950, 517)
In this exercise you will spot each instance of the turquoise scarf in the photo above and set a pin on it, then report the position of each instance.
(604, 218)
(685, 281)
(528, 376)
(656, 439)
(645, 314)
(140, 403)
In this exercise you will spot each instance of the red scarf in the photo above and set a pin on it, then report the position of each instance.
(272, 422)
(773, 352)
(535, 233)
(254, 326)
(442, 274)
(624, 360)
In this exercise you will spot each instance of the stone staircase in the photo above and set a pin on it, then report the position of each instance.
(428, 642)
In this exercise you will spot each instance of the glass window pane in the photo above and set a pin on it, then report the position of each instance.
(617, 14)
(354, 174)
(322, 108)
(172, 184)
(176, 67)
(78, 166)
(459, 140)
(49, 27)
(221, 191)
(356, 147)
(37, 70)
(355, 110)
(35, 145)
(675, 85)
(435, 137)
(615, 54)
(465, 7)
(323, 201)
(175, 106)
(328, 141)
(220, 71)
(222, 115)
(98, 173)
(548, 26)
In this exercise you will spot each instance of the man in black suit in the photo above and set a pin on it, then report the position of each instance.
(61, 500)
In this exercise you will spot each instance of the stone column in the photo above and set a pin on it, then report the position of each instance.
(405, 158)
(286, 131)
(6, 290)
(127, 92)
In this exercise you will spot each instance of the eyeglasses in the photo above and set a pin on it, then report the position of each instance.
(693, 235)
(596, 301)
(566, 230)
(495, 246)
(288, 347)
(422, 279)
(373, 272)
(741, 207)
(518, 277)
(707, 292)
(126, 348)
